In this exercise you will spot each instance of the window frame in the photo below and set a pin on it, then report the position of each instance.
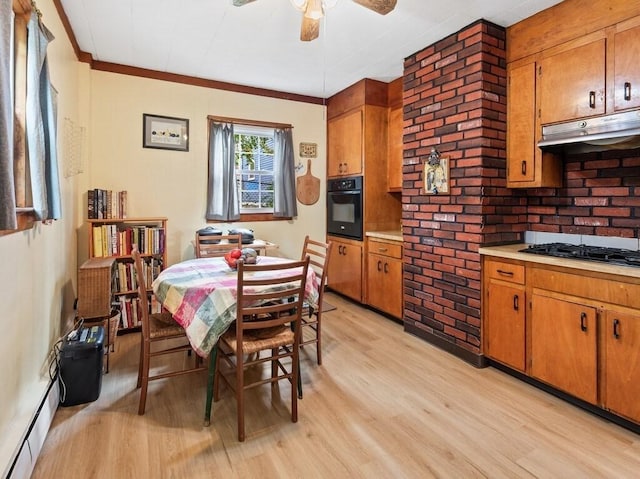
(25, 214)
(250, 217)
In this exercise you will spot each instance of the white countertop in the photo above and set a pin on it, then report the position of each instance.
(512, 252)
(391, 235)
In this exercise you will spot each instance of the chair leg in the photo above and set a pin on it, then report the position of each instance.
(141, 361)
(295, 366)
(144, 379)
(318, 340)
(210, 380)
(299, 380)
(240, 393)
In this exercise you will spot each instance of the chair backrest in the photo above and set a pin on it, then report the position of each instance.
(270, 295)
(141, 286)
(318, 254)
(209, 246)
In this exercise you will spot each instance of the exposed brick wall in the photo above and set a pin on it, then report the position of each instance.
(601, 196)
(455, 99)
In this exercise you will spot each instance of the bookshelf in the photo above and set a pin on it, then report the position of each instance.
(113, 238)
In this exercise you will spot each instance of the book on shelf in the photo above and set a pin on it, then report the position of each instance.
(106, 204)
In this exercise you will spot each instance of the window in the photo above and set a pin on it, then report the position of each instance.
(28, 164)
(254, 149)
(251, 171)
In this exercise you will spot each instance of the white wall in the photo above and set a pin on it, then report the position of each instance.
(173, 184)
(37, 270)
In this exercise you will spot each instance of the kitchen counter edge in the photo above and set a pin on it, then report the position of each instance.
(512, 251)
(387, 235)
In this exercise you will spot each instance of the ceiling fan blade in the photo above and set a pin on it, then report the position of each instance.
(239, 3)
(310, 29)
(379, 6)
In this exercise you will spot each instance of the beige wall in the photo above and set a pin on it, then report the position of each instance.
(37, 269)
(173, 184)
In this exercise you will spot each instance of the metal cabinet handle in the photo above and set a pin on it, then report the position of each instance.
(627, 91)
(592, 99)
(505, 273)
(382, 250)
(516, 305)
(524, 168)
(379, 265)
(616, 328)
(386, 268)
(583, 321)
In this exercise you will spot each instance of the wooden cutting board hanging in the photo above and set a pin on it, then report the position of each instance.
(308, 187)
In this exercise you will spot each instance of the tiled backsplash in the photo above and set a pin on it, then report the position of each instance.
(540, 237)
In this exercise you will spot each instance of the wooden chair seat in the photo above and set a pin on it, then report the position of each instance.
(259, 340)
(162, 325)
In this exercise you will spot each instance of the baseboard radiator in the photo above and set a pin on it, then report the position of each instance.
(26, 455)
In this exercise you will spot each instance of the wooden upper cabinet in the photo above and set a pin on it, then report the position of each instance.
(345, 148)
(394, 150)
(521, 108)
(627, 69)
(572, 83)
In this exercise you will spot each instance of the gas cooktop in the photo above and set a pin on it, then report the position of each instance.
(619, 256)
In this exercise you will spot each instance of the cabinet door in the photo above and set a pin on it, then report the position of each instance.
(521, 107)
(345, 145)
(572, 83)
(563, 346)
(621, 367)
(384, 284)
(504, 324)
(394, 150)
(627, 69)
(344, 273)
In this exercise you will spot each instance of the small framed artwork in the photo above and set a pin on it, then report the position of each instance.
(165, 132)
(436, 176)
(308, 150)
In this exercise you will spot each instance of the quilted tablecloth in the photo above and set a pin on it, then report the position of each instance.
(201, 296)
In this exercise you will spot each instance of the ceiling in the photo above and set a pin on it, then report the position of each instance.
(258, 44)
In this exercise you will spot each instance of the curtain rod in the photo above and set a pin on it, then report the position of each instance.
(240, 121)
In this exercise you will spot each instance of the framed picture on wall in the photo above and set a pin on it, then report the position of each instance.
(165, 132)
(435, 177)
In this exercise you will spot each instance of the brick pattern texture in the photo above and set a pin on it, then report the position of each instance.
(454, 99)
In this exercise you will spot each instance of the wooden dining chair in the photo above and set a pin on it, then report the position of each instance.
(270, 298)
(319, 254)
(210, 246)
(157, 328)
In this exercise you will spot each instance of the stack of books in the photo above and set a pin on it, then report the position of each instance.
(117, 239)
(106, 204)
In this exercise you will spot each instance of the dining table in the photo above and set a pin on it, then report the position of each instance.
(201, 295)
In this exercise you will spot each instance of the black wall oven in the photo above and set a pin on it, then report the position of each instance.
(344, 207)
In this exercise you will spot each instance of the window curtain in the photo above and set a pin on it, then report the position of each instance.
(8, 219)
(284, 175)
(222, 191)
(41, 124)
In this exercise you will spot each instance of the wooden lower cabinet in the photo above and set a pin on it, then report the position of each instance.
(344, 274)
(384, 276)
(575, 330)
(620, 333)
(564, 346)
(505, 324)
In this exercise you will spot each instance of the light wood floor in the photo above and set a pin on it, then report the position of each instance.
(383, 405)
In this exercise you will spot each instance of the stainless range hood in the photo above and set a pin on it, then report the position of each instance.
(620, 131)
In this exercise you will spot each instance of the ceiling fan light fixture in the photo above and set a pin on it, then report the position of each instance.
(314, 10)
(299, 4)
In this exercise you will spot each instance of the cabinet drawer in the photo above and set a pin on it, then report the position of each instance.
(513, 273)
(393, 250)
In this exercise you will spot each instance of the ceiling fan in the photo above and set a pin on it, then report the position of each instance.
(313, 11)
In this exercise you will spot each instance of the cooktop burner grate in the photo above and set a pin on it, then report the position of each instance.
(619, 256)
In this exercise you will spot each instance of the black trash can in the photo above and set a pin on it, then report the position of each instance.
(80, 375)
